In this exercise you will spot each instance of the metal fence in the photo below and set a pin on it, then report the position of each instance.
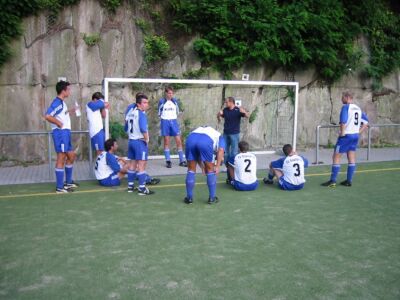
(49, 145)
(370, 126)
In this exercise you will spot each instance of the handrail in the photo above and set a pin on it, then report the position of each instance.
(317, 130)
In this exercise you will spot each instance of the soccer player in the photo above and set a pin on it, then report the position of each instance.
(168, 111)
(243, 169)
(352, 122)
(200, 147)
(108, 169)
(138, 133)
(289, 170)
(58, 116)
(96, 112)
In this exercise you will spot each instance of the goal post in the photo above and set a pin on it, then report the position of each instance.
(108, 82)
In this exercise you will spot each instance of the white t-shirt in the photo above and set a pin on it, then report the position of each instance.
(245, 168)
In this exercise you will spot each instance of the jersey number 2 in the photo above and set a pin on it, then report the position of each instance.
(247, 169)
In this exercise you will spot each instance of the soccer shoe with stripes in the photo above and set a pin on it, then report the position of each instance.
(131, 189)
(154, 181)
(183, 163)
(188, 200)
(329, 184)
(213, 200)
(64, 190)
(168, 164)
(268, 181)
(346, 183)
(144, 192)
(72, 184)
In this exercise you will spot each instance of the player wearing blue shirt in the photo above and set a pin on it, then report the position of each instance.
(168, 111)
(58, 116)
(137, 129)
(352, 122)
(96, 112)
(289, 170)
(201, 144)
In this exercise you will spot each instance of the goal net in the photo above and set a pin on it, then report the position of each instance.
(272, 107)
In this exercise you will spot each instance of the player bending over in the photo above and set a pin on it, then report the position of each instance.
(289, 170)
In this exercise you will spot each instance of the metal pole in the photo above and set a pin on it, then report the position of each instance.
(49, 152)
(369, 142)
(317, 145)
(90, 157)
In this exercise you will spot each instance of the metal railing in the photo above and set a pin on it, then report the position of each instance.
(370, 126)
(49, 146)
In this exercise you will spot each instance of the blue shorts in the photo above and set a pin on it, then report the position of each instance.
(169, 127)
(97, 141)
(346, 143)
(112, 180)
(245, 187)
(278, 164)
(62, 140)
(137, 150)
(199, 147)
(284, 185)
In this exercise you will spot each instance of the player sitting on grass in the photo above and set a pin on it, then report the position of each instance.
(289, 170)
(242, 169)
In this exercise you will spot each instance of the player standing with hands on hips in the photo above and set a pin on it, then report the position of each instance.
(352, 122)
(58, 116)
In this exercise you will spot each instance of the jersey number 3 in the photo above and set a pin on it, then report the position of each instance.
(297, 167)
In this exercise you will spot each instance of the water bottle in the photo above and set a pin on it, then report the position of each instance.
(77, 109)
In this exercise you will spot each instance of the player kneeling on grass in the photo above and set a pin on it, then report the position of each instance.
(242, 169)
(289, 170)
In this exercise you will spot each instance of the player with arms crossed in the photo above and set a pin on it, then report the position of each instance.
(352, 122)
(289, 170)
(200, 147)
(138, 133)
(96, 112)
(243, 169)
(58, 116)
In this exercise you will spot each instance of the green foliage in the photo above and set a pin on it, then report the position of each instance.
(253, 115)
(156, 48)
(143, 24)
(91, 39)
(111, 5)
(156, 16)
(194, 74)
(117, 130)
(292, 35)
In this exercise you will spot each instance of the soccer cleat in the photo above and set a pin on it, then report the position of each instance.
(64, 190)
(329, 184)
(183, 163)
(168, 164)
(268, 181)
(72, 184)
(154, 181)
(131, 189)
(144, 192)
(188, 200)
(227, 181)
(213, 200)
(345, 183)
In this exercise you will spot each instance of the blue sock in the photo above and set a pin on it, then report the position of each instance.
(270, 175)
(351, 168)
(335, 172)
(212, 183)
(181, 157)
(131, 178)
(167, 155)
(148, 178)
(59, 178)
(190, 182)
(142, 180)
(68, 173)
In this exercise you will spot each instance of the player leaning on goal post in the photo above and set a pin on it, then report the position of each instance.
(352, 122)
(58, 116)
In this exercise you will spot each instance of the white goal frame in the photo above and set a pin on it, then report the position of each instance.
(107, 81)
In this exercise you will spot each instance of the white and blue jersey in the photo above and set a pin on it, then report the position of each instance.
(61, 136)
(95, 123)
(292, 168)
(106, 169)
(168, 111)
(136, 126)
(245, 165)
(353, 118)
(202, 143)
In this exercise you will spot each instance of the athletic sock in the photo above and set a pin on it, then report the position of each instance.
(59, 178)
(68, 173)
(212, 183)
(167, 155)
(131, 178)
(270, 175)
(335, 172)
(190, 182)
(142, 180)
(351, 168)
(181, 157)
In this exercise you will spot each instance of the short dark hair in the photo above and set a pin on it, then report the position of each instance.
(168, 88)
(230, 99)
(97, 96)
(109, 144)
(243, 146)
(287, 149)
(139, 94)
(140, 97)
(61, 86)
